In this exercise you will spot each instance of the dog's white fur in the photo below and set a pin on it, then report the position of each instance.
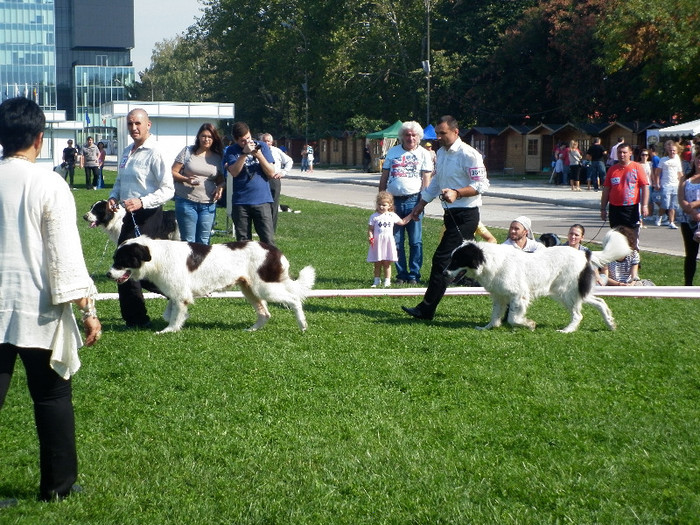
(183, 271)
(100, 216)
(514, 278)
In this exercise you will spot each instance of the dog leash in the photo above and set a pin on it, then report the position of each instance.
(596, 233)
(137, 232)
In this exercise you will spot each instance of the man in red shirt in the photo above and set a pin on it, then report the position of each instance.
(624, 182)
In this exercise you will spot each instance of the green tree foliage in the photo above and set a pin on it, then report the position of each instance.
(656, 47)
(493, 61)
(176, 72)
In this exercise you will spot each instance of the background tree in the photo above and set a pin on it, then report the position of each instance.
(176, 72)
(493, 61)
(656, 48)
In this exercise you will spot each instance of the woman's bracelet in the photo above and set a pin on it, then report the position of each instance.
(89, 310)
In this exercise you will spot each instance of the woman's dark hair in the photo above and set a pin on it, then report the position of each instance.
(630, 234)
(580, 227)
(21, 120)
(217, 146)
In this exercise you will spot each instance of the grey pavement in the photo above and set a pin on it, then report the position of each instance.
(552, 209)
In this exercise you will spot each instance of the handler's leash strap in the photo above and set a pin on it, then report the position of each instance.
(137, 231)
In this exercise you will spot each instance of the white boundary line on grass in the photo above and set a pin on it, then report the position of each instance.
(665, 292)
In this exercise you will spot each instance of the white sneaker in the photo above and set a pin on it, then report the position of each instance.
(658, 221)
(673, 226)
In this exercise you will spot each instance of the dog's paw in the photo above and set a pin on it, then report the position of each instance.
(167, 330)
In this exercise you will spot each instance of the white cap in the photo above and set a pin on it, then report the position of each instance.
(527, 224)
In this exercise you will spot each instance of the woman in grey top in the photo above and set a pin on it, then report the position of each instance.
(199, 184)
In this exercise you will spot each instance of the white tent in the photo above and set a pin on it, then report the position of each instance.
(691, 128)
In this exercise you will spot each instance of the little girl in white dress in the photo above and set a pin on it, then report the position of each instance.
(382, 246)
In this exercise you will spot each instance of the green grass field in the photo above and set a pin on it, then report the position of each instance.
(370, 416)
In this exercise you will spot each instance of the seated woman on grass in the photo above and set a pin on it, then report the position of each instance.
(625, 271)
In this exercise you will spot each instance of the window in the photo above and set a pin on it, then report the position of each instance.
(533, 147)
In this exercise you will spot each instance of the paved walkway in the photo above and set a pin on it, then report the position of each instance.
(551, 208)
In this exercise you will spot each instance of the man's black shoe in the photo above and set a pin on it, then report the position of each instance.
(417, 313)
(138, 326)
(54, 496)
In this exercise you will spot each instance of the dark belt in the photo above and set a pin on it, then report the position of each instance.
(405, 196)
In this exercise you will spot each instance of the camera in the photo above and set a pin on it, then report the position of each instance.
(254, 145)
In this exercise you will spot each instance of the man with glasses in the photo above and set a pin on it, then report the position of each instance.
(459, 181)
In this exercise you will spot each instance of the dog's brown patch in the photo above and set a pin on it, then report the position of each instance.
(238, 245)
(271, 270)
(197, 255)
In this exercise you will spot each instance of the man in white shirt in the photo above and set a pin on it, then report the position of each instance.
(460, 180)
(520, 235)
(406, 171)
(667, 176)
(144, 183)
(283, 164)
(613, 158)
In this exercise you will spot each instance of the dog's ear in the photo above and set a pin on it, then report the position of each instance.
(142, 252)
(468, 255)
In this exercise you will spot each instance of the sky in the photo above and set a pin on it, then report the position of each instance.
(156, 20)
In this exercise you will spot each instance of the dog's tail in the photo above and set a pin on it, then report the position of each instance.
(305, 282)
(615, 246)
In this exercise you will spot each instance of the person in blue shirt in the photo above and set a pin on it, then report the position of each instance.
(250, 165)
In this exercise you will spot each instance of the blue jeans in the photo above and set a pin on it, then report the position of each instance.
(596, 172)
(414, 230)
(195, 219)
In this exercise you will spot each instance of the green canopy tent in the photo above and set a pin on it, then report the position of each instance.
(387, 139)
(392, 132)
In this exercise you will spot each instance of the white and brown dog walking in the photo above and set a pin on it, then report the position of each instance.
(183, 271)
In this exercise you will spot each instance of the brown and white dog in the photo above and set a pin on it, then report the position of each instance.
(514, 278)
(111, 221)
(183, 271)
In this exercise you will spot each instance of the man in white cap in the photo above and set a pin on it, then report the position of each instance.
(520, 235)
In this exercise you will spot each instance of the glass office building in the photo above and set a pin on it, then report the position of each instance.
(71, 55)
(28, 51)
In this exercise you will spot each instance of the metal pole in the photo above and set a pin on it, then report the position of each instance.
(306, 104)
(427, 55)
